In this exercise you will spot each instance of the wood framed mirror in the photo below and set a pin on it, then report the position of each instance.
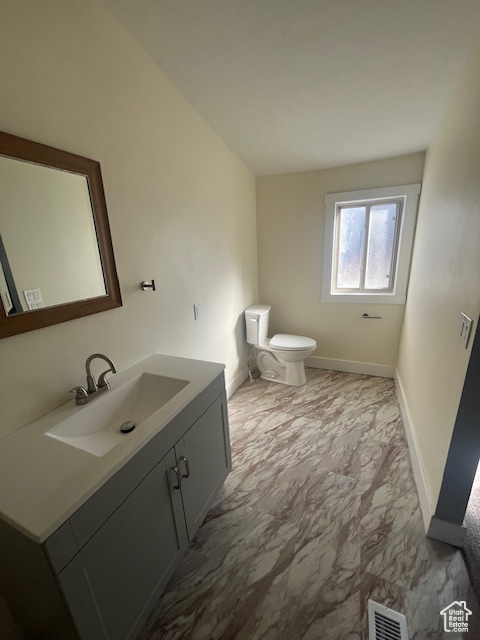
(56, 253)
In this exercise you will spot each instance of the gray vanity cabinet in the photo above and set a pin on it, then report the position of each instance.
(203, 461)
(129, 560)
(101, 572)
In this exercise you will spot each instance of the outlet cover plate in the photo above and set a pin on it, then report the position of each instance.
(466, 324)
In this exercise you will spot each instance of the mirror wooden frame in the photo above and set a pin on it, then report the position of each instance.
(20, 149)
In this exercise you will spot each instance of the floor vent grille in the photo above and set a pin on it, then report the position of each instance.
(385, 624)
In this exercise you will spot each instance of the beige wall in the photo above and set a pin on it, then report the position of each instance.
(445, 279)
(291, 217)
(181, 204)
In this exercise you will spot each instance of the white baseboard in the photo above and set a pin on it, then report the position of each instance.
(424, 496)
(350, 366)
(239, 379)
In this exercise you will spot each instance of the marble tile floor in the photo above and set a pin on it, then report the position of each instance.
(319, 514)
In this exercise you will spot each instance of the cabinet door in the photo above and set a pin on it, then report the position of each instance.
(203, 459)
(132, 556)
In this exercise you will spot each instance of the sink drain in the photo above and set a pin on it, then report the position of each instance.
(127, 427)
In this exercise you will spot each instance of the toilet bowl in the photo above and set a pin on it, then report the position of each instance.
(281, 358)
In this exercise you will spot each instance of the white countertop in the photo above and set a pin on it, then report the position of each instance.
(43, 481)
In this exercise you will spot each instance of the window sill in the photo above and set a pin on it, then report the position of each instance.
(365, 298)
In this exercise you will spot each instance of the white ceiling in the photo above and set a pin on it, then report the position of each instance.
(294, 85)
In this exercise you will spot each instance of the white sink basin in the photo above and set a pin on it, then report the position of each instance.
(95, 427)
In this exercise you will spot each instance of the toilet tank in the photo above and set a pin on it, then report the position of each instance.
(256, 322)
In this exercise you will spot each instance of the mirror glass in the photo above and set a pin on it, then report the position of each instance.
(56, 254)
(48, 244)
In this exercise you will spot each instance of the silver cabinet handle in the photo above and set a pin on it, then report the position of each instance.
(187, 467)
(175, 470)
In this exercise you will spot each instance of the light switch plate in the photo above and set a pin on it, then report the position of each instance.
(7, 301)
(197, 310)
(466, 324)
(33, 298)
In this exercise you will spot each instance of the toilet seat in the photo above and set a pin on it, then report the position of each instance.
(286, 342)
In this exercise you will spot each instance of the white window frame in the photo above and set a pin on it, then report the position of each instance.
(409, 194)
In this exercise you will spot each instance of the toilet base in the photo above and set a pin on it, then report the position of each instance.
(290, 384)
(271, 369)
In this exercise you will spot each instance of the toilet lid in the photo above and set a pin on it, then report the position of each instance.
(291, 343)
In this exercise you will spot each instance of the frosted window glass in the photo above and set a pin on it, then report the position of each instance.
(380, 246)
(350, 247)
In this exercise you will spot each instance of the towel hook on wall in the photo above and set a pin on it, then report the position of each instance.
(367, 317)
(148, 285)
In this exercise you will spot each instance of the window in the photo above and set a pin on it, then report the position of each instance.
(364, 246)
(368, 244)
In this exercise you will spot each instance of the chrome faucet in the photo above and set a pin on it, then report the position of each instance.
(94, 389)
(102, 382)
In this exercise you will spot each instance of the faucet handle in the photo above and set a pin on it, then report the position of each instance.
(80, 393)
(102, 381)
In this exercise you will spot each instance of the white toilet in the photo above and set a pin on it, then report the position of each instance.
(281, 358)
